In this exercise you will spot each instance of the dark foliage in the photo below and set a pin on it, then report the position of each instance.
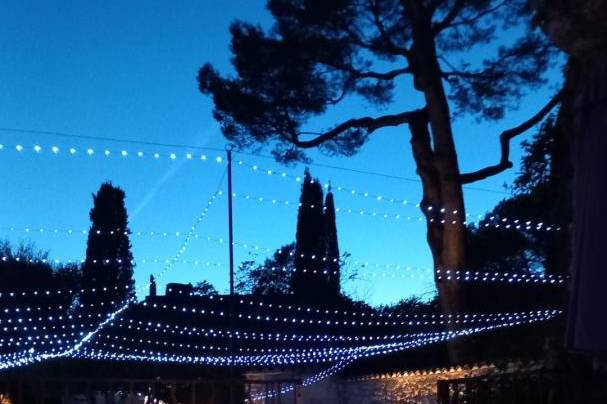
(26, 268)
(204, 288)
(542, 192)
(316, 237)
(271, 278)
(109, 261)
(333, 258)
(309, 268)
(320, 52)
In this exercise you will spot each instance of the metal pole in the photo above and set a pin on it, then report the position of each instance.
(231, 233)
(231, 247)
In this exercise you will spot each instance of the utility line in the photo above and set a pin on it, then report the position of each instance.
(216, 149)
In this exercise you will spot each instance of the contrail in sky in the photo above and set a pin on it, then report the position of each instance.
(201, 140)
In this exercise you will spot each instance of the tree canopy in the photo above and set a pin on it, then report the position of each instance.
(109, 261)
(319, 52)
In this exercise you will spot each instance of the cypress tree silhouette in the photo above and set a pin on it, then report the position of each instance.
(108, 253)
(332, 277)
(309, 246)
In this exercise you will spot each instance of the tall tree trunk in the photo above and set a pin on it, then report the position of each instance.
(579, 27)
(437, 165)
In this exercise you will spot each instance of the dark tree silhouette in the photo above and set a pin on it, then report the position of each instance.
(542, 193)
(271, 278)
(320, 52)
(333, 258)
(153, 289)
(109, 261)
(204, 288)
(309, 240)
(578, 28)
(26, 267)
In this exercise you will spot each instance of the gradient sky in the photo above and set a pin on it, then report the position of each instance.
(127, 70)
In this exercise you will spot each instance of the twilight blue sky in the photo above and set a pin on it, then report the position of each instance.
(127, 70)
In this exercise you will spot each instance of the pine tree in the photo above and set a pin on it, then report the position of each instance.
(332, 266)
(309, 246)
(109, 261)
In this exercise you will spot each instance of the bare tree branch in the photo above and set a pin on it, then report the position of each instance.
(389, 75)
(367, 123)
(505, 138)
(453, 13)
(381, 28)
(478, 16)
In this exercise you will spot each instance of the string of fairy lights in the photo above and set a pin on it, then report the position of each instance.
(59, 349)
(448, 215)
(108, 330)
(31, 356)
(401, 272)
(312, 355)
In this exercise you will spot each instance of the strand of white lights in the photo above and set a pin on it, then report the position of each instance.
(55, 292)
(121, 153)
(37, 341)
(446, 275)
(105, 261)
(18, 310)
(308, 381)
(491, 277)
(302, 309)
(66, 324)
(32, 356)
(277, 173)
(115, 341)
(361, 314)
(248, 336)
(455, 216)
(494, 222)
(462, 274)
(341, 364)
(191, 331)
(85, 232)
(312, 356)
(189, 235)
(329, 353)
(441, 274)
(435, 319)
(169, 263)
(189, 156)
